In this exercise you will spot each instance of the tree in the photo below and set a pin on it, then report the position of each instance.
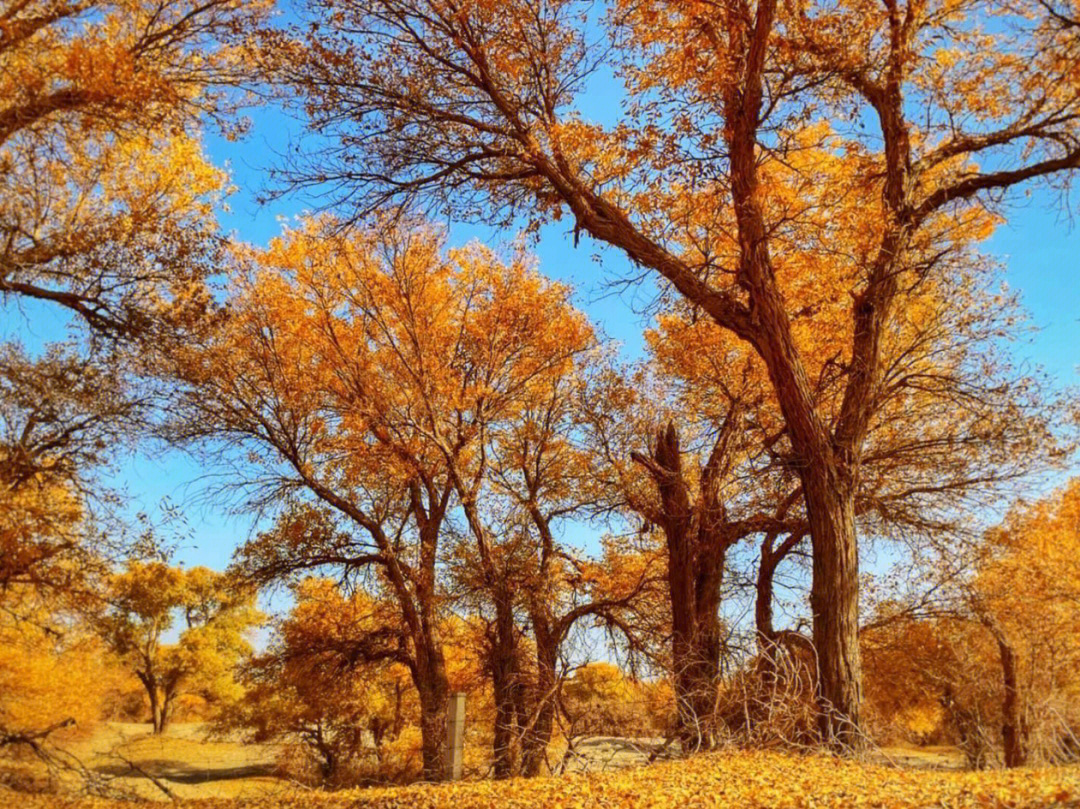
(957, 425)
(600, 700)
(472, 108)
(529, 343)
(55, 674)
(305, 688)
(930, 681)
(704, 491)
(991, 643)
(534, 476)
(359, 372)
(107, 213)
(147, 600)
(1035, 639)
(63, 418)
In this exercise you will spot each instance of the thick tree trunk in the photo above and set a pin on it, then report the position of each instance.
(829, 495)
(1013, 728)
(433, 690)
(834, 600)
(429, 662)
(826, 470)
(696, 550)
(433, 704)
(695, 650)
(534, 748)
(696, 673)
(506, 687)
(328, 763)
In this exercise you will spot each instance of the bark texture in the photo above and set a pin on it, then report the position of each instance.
(1014, 730)
(698, 536)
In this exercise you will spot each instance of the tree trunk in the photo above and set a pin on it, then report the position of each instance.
(506, 687)
(696, 674)
(433, 690)
(968, 729)
(534, 747)
(834, 600)
(1014, 731)
(696, 550)
(429, 662)
(694, 590)
(770, 642)
(155, 713)
(828, 489)
(166, 711)
(150, 684)
(695, 648)
(763, 611)
(827, 471)
(763, 603)
(433, 706)
(1013, 728)
(328, 764)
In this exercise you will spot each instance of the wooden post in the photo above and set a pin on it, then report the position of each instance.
(455, 735)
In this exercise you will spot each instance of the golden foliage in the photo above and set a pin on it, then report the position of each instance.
(601, 700)
(106, 199)
(312, 691)
(944, 677)
(50, 673)
(792, 170)
(212, 620)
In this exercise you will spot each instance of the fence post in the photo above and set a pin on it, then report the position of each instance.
(455, 735)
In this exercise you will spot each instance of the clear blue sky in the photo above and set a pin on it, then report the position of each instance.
(1039, 247)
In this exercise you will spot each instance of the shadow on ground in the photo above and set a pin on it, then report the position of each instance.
(185, 772)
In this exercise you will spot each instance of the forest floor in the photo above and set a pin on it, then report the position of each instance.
(190, 766)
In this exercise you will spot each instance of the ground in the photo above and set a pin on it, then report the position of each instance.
(184, 759)
(192, 767)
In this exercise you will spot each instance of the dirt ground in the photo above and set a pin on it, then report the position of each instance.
(190, 765)
(184, 760)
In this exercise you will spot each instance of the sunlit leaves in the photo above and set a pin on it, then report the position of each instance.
(106, 200)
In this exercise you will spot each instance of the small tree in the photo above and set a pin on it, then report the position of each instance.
(147, 601)
(996, 648)
(1026, 597)
(311, 689)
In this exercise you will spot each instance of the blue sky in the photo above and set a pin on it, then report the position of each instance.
(1039, 247)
